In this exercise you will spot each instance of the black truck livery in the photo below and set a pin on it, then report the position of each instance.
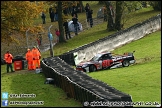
(106, 60)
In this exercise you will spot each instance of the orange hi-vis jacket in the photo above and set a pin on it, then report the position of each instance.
(29, 56)
(36, 54)
(8, 57)
(39, 53)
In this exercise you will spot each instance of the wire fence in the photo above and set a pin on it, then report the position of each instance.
(30, 40)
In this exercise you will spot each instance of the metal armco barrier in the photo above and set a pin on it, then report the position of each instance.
(79, 85)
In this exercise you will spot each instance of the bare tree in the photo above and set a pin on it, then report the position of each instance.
(156, 5)
(100, 2)
(60, 22)
(119, 11)
(110, 13)
(81, 5)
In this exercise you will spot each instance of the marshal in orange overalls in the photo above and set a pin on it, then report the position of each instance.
(29, 58)
(36, 58)
(8, 58)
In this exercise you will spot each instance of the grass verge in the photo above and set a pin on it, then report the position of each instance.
(142, 80)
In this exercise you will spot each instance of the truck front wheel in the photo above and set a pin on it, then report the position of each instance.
(92, 68)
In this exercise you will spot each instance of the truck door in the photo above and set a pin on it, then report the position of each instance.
(106, 61)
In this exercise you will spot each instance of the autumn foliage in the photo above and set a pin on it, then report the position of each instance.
(17, 16)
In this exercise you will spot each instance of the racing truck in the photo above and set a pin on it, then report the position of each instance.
(106, 60)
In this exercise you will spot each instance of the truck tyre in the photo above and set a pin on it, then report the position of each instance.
(125, 63)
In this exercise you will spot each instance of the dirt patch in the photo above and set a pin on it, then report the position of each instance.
(143, 60)
(22, 72)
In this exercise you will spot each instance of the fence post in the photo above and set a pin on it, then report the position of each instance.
(50, 40)
(27, 38)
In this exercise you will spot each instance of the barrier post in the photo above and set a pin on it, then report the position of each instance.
(50, 40)
(27, 38)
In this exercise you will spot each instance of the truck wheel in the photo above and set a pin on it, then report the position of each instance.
(92, 68)
(125, 63)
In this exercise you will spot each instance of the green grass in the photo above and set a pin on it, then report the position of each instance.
(30, 82)
(99, 31)
(146, 47)
(141, 81)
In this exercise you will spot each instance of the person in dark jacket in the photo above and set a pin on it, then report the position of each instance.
(52, 14)
(50, 9)
(43, 16)
(87, 8)
(75, 22)
(66, 28)
(74, 11)
(90, 19)
(65, 11)
(56, 13)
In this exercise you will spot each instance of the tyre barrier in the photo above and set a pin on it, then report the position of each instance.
(49, 81)
(79, 85)
(68, 58)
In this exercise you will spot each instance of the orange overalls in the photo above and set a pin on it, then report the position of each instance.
(39, 55)
(8, 58)
(29, 58)
(36, 58)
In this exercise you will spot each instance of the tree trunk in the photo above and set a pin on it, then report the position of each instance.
(119, 12)
(100, 2)
(60, 22)
(155, 4)
(159, 5)
(81, 6)
(110, 23)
